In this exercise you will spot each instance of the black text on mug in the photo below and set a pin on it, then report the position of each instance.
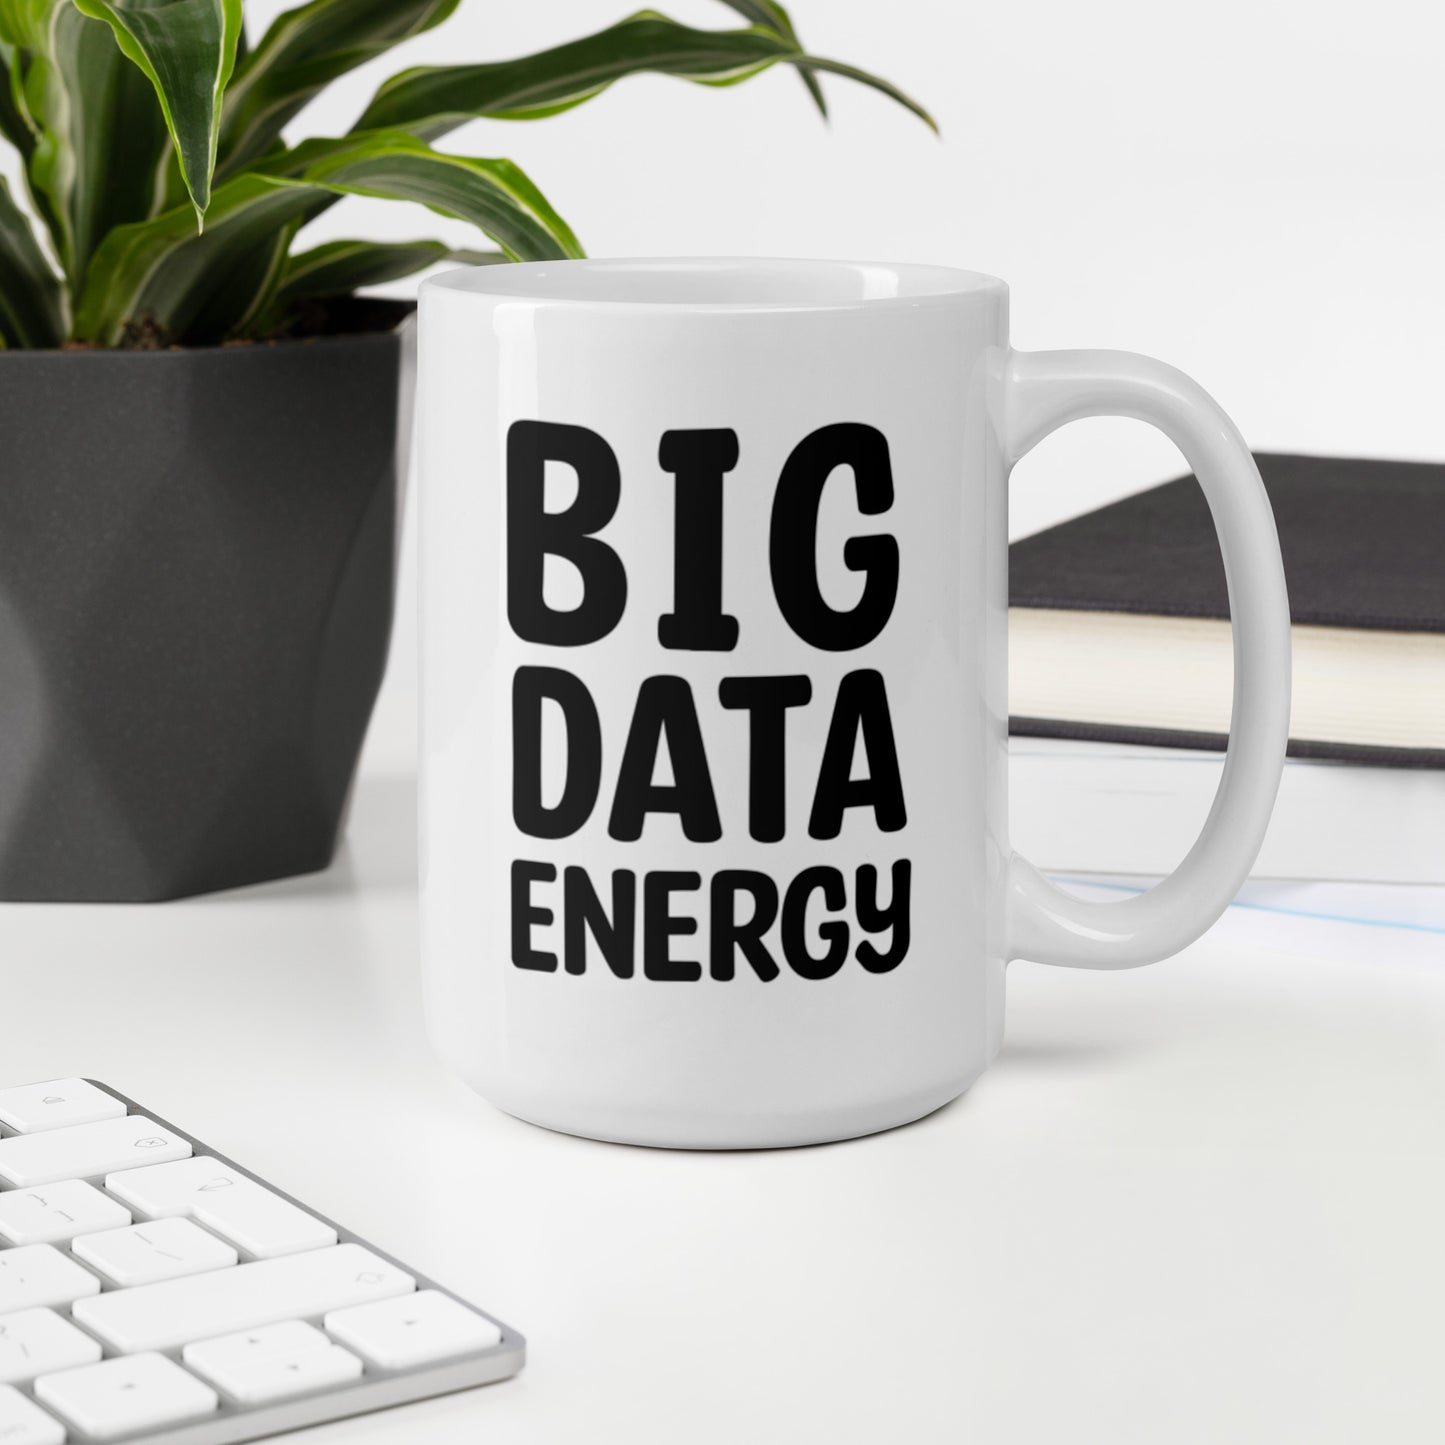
(634, 935)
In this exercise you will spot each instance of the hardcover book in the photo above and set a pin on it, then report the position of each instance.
(1119, 620)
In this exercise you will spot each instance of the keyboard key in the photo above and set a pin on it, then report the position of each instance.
(87, 1150)
(397, 1334)
(39, 1275)
(145, 1253)
(39, 1342)
(249, 1347)
(122, 1396)
(56, 1105)
(151, 1291)
(276, 1376)
(25, 1423)
(250, 1216)
(164, 1316)
(56, 1213)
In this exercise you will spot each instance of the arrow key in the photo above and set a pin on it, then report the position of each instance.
(126, 1395)
(212, 1358)
(273, 1362)
(412, 1329)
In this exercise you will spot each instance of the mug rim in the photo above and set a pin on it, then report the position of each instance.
(682, 284)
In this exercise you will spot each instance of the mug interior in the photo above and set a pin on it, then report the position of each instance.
(718, 282)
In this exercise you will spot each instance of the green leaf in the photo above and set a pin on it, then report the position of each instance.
(303, 51)
(187, 50)
(23, 22)
(14, 124)
(100, 135)
(31, 309)
(158, 276)
(341, 267)
(494, 195)
(774, 17)
(431, 100)
(873, 82)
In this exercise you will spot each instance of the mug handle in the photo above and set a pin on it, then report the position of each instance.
(1043, 391)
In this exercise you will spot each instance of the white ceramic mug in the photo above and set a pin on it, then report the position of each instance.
(714, 761)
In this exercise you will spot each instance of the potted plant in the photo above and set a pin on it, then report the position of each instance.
(198, 420)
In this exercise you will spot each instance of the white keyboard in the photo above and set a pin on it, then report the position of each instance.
(151, 1290)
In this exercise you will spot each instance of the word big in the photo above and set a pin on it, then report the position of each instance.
(698, 461)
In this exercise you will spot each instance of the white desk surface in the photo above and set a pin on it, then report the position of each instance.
(1202, 1202)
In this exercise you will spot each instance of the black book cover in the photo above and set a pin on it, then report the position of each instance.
(1363, 543)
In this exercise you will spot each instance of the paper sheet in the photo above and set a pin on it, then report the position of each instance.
(1333, 920)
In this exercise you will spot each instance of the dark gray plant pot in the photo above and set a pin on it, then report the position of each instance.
(196, 573)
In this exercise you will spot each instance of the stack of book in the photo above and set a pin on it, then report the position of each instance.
(1121, 675)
